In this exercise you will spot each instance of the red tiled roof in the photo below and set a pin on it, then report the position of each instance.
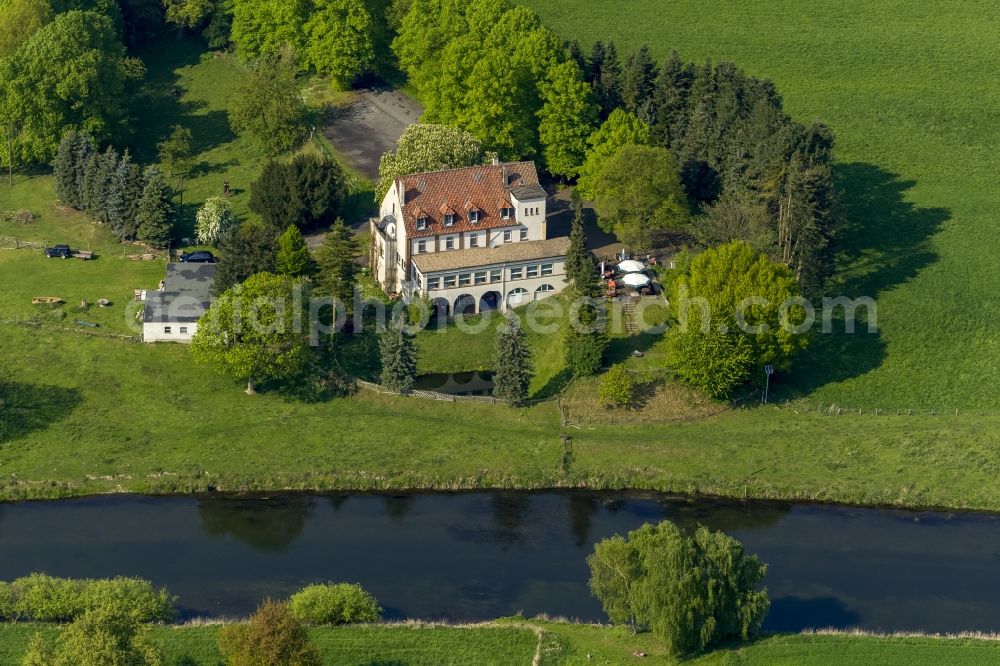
(484, 187)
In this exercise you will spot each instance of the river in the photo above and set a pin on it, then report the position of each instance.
(481, 555)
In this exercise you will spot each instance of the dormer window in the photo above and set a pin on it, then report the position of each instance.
(449, 219)
(422, 222)
(473, 216)
(506, 213)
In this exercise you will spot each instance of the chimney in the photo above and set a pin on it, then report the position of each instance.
(496, 160)
(504, 173)
(401, 191)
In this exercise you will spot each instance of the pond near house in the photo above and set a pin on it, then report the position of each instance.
(458, 383)
(488, 554)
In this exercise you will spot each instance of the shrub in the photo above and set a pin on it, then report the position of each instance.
(212, 220)
(7, 600)
(617, 388)
(102, 637)
(272, 637)
(45, 598)
(341, 603)
(134, 596)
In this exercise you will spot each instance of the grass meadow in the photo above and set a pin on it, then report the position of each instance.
(909, 88)
(516, 643)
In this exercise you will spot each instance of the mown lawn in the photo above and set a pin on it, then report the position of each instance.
(409, 645)
(514, 643)
(909, 88)
(86, 415)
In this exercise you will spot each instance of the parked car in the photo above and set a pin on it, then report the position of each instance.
(200, 257)
(61, 251)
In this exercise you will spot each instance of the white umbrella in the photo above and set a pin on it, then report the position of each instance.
(636, 280)
(630, 266)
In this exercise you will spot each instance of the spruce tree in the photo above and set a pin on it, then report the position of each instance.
(639, 83)
(608, 81)
(97, 183)
(670, 101)
(83, 150)
(336, 262)
(585, 337)
(64, 170)
(513, 363)
(155, 214)
(116, 204)
(592, 72)
(399, 357)
(293, 255)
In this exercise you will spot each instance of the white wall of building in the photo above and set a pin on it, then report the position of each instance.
(172, 332)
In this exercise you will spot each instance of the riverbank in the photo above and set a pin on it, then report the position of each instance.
(517, 642)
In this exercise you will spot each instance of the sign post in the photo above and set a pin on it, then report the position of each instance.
(768, 371)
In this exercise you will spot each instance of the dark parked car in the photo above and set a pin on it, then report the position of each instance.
(200, 257)
(61, 251)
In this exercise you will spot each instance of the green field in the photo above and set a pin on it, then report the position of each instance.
(514, 643)
(911, 93)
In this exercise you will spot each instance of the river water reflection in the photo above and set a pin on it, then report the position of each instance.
(483, 555)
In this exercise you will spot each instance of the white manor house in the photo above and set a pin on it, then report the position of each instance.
(470, 239)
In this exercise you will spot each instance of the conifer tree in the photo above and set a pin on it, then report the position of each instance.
(513, 363)
(82, 152)
(155, 214)
(639, 82)
(64, 170)
(670, 100)
(247, 248)
(293, 255)
(608, 80)
(336, 263)
(97, 180)
(585, 337)
(123, 196)
(399, 357)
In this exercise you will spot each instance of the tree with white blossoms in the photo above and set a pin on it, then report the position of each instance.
(213, 219)
(426, 147)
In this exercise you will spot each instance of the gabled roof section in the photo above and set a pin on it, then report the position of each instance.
(485, 188)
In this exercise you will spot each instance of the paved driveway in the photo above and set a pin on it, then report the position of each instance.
(370, 125)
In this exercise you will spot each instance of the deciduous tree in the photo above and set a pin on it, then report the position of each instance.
(692, 591)
(71, 73)
(752, 318)
(268, 27)
(268, 109)
(19, 20)
(255, 331)
(637, 192)
(340, 40)
(428, 147)
(567, 119)
(619, 130)
(272, 637)
(213, 219)
(175, 151)
(106, 636)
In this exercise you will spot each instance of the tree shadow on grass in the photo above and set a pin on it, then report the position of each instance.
(25, 408)
(884, 241)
